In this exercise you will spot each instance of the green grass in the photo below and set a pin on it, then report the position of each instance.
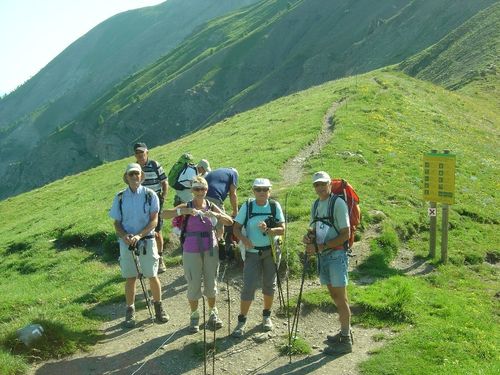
(299, 346)
(63, 241)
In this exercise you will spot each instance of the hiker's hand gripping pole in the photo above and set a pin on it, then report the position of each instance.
(309, 240)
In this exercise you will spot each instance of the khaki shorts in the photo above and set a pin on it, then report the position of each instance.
(198, 267)
(148, 263)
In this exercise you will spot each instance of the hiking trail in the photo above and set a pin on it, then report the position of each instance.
(170, 348)
(294, 168)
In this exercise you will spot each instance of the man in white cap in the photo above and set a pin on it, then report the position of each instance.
(329, 242)
(135, 213)
(262, 219)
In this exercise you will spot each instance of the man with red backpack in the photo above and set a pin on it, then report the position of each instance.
(328, 238)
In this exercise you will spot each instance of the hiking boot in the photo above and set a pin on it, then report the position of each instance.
(129, 317)
(267, 323)
(194, 322)
(334, 339)
(214, 321)
(239, 331)
(342, 345)
(161, 266)
(160, 315)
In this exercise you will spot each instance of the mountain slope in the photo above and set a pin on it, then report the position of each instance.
(92, 64)
(469, 53)
(388, 121)
(237, 62)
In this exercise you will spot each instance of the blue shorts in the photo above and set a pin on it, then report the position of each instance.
(333, 266)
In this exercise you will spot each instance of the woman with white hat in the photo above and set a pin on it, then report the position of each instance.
(262, 218)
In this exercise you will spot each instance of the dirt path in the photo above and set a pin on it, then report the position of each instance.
(294, 168)
(171, 349)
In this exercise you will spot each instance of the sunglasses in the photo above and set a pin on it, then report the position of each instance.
(199, 188)
(134, 173)
(139, 152)
(259, 189)
(321, 183)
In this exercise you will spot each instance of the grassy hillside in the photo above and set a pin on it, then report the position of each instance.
(468, 54)
(237, 62)
(60, 238)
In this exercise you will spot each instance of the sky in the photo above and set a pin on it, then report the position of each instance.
(33, 32)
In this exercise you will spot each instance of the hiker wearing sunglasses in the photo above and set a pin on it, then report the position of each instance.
(200, 253)
(135, 214)
(328, 243)
(255, 226)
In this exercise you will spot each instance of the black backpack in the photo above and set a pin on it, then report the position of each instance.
(251, 214)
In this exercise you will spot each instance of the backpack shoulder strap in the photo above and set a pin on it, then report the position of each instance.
(148, 195)
(185, 222)
(331, 206)
(272, 203)
(249, 211)
(156, 167)
(120, 202)
(315, 209)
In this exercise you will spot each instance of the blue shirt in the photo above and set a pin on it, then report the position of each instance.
(136, 209)
(252, 229)
(219, 181)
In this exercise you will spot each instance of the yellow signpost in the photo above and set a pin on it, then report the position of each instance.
(439, 186)
(439, 177)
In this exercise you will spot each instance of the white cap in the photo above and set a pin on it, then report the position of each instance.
(261, 182)
(204, 164)
(321, 176)
(133, 167)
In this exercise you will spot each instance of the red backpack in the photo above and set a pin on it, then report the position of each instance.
(341, 188)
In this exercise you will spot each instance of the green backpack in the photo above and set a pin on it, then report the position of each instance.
(184, 162)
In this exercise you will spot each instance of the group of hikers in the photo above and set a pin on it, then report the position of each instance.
(198, 210)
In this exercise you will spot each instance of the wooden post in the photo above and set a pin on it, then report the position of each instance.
(432, 237)
(444, 234)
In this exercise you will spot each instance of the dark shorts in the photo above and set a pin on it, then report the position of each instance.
(259, 269)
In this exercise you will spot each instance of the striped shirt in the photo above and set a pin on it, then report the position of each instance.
(154, 175)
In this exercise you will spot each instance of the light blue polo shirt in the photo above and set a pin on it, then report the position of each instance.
(136, 209)
(252, 229)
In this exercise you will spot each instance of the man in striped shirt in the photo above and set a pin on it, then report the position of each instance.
(156, 180)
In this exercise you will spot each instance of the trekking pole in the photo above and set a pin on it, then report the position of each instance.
(285, 249)
(213, 351)
(135, 255)
(295, 324)
(204, 338)
(228, 307)
(281, 297)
